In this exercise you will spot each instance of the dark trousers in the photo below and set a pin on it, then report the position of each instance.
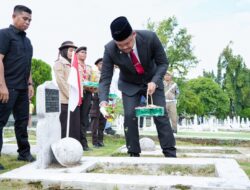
(165, 133)
(18, 104)
(74, 123)
(97, 127)
(84, 117)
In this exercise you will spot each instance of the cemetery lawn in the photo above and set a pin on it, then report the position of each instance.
(10, 163)
(219, 134)
(112, 143)
(246, 167)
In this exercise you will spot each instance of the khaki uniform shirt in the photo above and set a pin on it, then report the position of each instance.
(171, 90)
(62, 69)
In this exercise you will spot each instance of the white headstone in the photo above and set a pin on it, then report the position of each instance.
(248, 122)
(68, 151)
(195, 120)
(48, 125)
(147, 144)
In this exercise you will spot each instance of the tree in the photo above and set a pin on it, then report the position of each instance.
(208, 74)
(189, 103)
(243, 83)
(177, 44)
(41, 72)
(234, 78)
(203, 96)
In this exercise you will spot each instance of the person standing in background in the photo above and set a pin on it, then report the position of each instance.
(85, 74)
(171, 93)
(98, 122)
(16, 86)
(62, 70)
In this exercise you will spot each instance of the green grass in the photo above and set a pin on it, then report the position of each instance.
(19, 185)
(112, 143)
(246, 167)
(9, 133)
(147, 169)
(219, 134)
(10, 163)
(208, 151)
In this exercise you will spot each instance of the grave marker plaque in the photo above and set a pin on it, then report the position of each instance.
(51, 100)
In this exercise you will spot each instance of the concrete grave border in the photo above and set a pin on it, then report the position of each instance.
(229, 175)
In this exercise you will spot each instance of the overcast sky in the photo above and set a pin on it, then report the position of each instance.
(212, 23)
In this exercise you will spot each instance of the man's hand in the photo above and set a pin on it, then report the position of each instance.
(103, 110)
(4, 93)
(151, 88)
(31, 91)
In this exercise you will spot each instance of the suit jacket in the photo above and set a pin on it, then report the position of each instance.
(152, 57)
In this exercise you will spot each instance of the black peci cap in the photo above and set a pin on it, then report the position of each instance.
(120, 28)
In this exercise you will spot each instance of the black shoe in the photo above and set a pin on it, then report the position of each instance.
(134, 154)
(171, 152)
(28, 158)
(100, 144)
(1, 167)
(169, 156)
(110, 131)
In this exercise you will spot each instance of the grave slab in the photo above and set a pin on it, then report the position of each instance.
(228, 175)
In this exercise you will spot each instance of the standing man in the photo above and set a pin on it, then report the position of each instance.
(16, 87)
(143, 63)
(85, 74)
(171, 94)
(98, 122)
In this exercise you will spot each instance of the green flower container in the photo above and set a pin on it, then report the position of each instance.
(113, 96)
(90, 84)
(149, 111)
(142, 112)
(158, 111)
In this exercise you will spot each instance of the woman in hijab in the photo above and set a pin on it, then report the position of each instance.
(62, 69)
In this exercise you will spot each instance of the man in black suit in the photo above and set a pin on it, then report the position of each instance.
(142, 61)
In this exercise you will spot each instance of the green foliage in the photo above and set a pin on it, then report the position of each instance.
(245, 113)
(189, 103)
(119, 108)
(234, 78)
(209, 75)
(203, 96)
(177, 44)
(41, 72)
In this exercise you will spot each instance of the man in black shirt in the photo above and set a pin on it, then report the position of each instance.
(15, 78)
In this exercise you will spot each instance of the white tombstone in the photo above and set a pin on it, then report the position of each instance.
(68, 151)
(235, 123)
(248, 122)
(228, 123)
(147, 144)
(48, 128)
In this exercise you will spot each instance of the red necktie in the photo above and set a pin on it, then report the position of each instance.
(138, 67)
